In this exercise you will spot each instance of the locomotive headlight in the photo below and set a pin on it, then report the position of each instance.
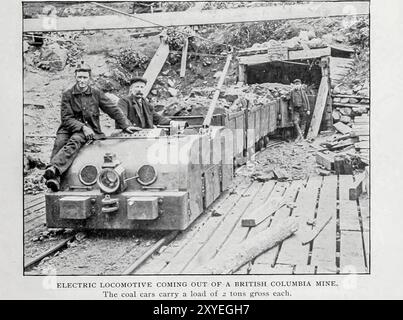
(108, 180)
(88, 175)
(146, 175)
(112, 176)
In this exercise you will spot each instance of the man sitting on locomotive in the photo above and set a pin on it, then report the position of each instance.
(300, 107)
(79, 123)
(137, 109)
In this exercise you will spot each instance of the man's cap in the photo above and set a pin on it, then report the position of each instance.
(138, 79)
(82, 66)
(297, 81)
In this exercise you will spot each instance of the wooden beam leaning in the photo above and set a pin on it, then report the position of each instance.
(156, 64)
(319, 108)
(209, 115)
(205, 17)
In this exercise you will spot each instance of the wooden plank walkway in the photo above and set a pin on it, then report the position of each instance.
(341, 247)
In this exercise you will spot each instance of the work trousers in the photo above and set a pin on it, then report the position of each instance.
(299, 118)
(65, 150)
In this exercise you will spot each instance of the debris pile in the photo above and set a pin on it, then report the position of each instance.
(34, 183)
(132, 59)
(284, 162)
(346, 150)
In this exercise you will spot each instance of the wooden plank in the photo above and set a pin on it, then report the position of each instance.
(367, 249)
(215, 241)
(158, 262)
(349, 105)
(365, 214)
(308, 54)
(348, 216)
(155, 65)
(362, 145)
(242, 73)
(292, 250)
(184, 57)
(304, 269)
(326, 269)
(326, 160)
(244, 269)
(270, 256)
(354, 96)
(179, 261)
(258, 215)
(185, 18)
(230, 261)
(255, 59)
(345, 183)
(262, 268)
(351, 252)
(319, 107)
(324, 246)
(356, 189)
(240, 233)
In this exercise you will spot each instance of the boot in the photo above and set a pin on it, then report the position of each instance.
(53, 184)
(51, 173)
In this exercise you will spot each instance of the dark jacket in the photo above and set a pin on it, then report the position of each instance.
(144, 117)
(299, 98)
(82, 108)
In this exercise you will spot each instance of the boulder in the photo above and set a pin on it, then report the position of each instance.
(364, 92)
(345, 111)
(173, 92)
(345, 119)
(336, 90)
(336, 115)
(53, 57)
(353, 100)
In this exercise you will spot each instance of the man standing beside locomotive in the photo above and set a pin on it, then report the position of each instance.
(79, 123)
(299, 107)
(137, 109)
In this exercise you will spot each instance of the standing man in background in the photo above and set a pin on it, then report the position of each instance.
(300, 108)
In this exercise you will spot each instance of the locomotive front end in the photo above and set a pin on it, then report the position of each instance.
(145, 181)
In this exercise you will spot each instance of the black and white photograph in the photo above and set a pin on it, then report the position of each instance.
(201, 150)
(176, 138)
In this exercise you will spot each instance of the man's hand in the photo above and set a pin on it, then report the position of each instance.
(131, 129)
(308, 112)
(88, 133)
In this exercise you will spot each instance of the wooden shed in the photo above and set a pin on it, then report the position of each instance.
(324, 67)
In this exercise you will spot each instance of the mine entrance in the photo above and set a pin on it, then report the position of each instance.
(284, 72)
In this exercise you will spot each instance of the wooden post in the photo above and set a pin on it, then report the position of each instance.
(184, 57)
(242, 77)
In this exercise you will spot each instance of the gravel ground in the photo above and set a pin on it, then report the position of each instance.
(99, 253)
